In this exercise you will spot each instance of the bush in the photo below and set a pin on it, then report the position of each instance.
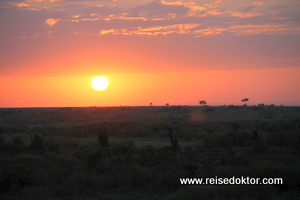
(103, 139)
(37, 144)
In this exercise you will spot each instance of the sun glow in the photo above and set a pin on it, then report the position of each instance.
(99, 83)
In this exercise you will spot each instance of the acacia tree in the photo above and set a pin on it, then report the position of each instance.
(203, 103)
(245, 100)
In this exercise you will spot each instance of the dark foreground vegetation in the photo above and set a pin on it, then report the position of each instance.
(142, 152)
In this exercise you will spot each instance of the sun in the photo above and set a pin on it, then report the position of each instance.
(99, 83)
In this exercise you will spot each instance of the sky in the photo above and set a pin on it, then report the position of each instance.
(152, 51)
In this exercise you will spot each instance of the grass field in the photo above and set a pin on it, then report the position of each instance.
(141, 152)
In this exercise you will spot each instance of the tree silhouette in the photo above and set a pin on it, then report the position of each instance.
(203, 103)
(103, 139)
(174, 141)
(167, 104)
(245, 100)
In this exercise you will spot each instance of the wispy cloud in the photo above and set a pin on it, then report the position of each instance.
(22, 5)
(209, 31)
(158, 9)
(257, 29)
(245, 15)
(214, 5)
(153, 31)
(258, 3)
(285, 59)
(29, 17)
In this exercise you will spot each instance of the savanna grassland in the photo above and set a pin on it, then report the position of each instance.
(142, 152)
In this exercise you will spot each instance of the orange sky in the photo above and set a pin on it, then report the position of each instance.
(159, 51)
(185, 88)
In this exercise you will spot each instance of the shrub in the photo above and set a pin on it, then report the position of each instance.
(103, 139)
(37, 144)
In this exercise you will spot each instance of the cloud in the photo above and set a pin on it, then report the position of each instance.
(21, 22)
(22, 5)
(214, 5)
(52, 22)
(245, 15)
(267, 29)
(285, 59)
(159, 9)
(132, 18)
(248, 8)
(175, 3)
(8, 4)
(85, 12)
(9, 1)
(81, 0)
(102, 10)
(34, 0)
(193, 7)
(209, 31)
(277, 7)
(252, 6)
(153, 31)
(242, 30)
(160, 17)
(214, 12)
(258, 3)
